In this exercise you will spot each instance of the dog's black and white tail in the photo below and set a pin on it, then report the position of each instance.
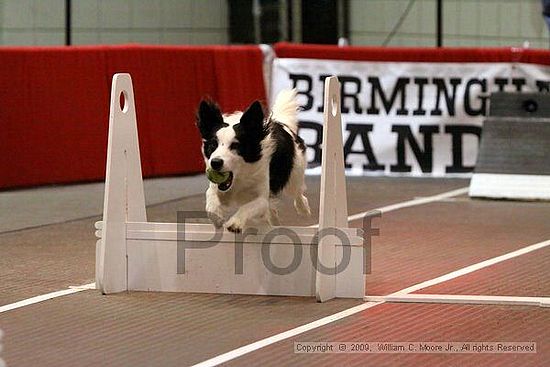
(285, 109)
(285, 112)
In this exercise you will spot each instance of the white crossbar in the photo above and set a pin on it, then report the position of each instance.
(206, 232)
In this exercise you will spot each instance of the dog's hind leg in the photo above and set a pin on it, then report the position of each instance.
(274, 217)
(301, 204)
(274, 212)
(297, 189)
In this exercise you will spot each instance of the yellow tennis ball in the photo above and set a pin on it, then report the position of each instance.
(217, 177)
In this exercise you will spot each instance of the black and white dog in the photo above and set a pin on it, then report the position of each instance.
(262, 158)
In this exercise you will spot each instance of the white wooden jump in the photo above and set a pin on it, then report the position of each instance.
(134, 254)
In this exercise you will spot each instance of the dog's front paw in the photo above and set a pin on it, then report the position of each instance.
(234, 225)
(216, 219)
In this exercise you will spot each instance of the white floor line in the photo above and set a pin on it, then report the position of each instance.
(222, 358)
(463, 299)
(414, 202)
(83, 286)
(472, 268)
(45, 297)
(407, 204)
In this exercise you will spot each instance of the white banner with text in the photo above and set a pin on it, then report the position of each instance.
(403, 118)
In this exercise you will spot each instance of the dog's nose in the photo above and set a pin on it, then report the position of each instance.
(216, 163)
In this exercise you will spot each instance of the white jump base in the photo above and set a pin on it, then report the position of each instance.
(134, 254)
(509, 186)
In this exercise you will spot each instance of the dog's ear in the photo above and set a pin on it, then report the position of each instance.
(209, 118)
(253, 117)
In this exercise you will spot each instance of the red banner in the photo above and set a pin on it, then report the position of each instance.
(54, 105)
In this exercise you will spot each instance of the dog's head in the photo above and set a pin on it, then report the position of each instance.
(231, 142)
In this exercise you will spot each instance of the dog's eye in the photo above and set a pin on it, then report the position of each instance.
(234, 146)
(209, 147)
(211, 144)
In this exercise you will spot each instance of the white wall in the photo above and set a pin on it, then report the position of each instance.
(42, 22)
(466, 23)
